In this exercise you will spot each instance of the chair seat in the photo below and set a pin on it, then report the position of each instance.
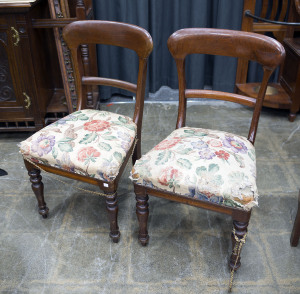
(88, 142)
(204, 164)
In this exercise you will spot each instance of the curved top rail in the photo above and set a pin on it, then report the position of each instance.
(109, 33)
(265, 50)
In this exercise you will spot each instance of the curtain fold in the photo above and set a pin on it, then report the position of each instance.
(161, 18)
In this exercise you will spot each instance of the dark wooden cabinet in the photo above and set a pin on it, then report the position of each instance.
(290, 79)
(20, 107)
(32, 57)
(279, 94)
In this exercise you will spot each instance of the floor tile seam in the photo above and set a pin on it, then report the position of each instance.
(275, 149)
(16, 194)
(64, 226)
(33, 253)
(274, 160)
(292, 175)
(271, 232)
(268, 279)
(124, 252)
(186, 282)
(56, 230)
(278, 233)
(281, 159)
(209, 283)
(262, 191)
(130, 244)
(11, 211)
(283, 194)
(196, 261)
(190, 231)
(262, 242)
(269, 259)
(85, 282)
(287, 281)
(8, 211)
(29, 195)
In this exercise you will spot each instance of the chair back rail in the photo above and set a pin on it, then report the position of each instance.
(249, 46)
(115, 34)
(109, 33)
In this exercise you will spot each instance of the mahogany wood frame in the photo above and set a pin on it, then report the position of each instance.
(115, 34)
(296, 228)
(281, 98)
(262, 49)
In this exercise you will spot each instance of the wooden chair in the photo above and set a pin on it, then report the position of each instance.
(279, 94)
(296, 228)
(206, 168)
(90, 145)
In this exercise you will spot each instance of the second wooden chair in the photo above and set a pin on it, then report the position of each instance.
(207, 168)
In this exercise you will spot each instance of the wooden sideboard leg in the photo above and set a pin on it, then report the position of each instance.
(296, 228)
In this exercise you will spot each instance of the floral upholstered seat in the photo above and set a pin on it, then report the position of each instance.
(205, 164)
(88, 142)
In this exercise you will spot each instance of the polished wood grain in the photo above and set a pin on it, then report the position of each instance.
(24, 48)
(38, 188)
(115, 34)
(46, 67)
(296, 228)
(273, 10)
(248, 46)
(290, 78)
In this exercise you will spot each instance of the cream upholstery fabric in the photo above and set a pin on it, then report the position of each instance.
(205, 164)
(88, 142)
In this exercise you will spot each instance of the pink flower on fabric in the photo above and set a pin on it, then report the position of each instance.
(88, 154)
(167, 143)
(222, 154)
(168, 176)
(43, 145)
(215, 143)
(96, 125)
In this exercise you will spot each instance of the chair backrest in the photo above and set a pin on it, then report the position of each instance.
(115, 34)
(250, 46)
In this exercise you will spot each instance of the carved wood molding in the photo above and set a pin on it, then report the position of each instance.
(3, 38)
(56, 11)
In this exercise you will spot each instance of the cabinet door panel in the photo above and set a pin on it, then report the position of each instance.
(16, 91)
(7, 92)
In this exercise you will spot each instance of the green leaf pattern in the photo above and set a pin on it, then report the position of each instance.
(88, 142)
(202, 165)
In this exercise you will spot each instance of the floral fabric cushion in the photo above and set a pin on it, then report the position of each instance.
(89, 142)
(205, 164)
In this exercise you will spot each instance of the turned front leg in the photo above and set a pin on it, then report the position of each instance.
(38, 189)
(237, 238)
(112, 209)
(142, 213)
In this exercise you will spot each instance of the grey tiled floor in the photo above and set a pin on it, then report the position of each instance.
(70, 252)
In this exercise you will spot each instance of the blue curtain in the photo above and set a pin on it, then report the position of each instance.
(161, 18)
